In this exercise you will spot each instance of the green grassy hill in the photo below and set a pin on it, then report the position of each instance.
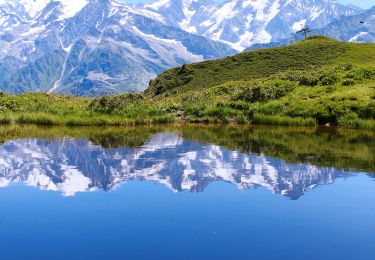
(315, 81)
(310, 54)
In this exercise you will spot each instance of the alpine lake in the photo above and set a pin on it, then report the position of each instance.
(186, 192)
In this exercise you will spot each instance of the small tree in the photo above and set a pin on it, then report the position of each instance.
(183, 69)
(305, 31)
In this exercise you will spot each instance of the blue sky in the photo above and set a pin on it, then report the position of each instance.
(362, 3)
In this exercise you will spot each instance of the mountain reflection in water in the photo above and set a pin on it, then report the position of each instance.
(173, 158)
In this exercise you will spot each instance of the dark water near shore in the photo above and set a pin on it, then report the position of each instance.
(192, 192)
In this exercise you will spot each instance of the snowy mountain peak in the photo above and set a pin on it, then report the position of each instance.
(69, 8)
(93, 47)
(159, 4)
(242, 23)
(33, 7)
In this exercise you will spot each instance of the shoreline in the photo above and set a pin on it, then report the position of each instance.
(98, 120)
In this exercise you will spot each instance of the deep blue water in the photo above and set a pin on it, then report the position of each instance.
(176, 198)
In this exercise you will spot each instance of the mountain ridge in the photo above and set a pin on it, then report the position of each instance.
(242, 23)
(95, 47)
(358, 28)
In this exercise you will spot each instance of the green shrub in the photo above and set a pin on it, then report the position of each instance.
(110, 104)
(367, 111)
(242, 119)
(348, 82)
(223, 114)
(330, 79)
(239, 105)
(304, 78)
(346, 67)
(262, 92)
(195, 110)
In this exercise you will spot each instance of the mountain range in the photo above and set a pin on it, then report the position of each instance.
(357, 28)
(242, 23)
(98, 47)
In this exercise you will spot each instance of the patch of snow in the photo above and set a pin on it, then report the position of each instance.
(299, 25)
(33, 31)
(158, 4)
(69, 8)
(33, 7)
(355, 38)
(185, 24)
(169, 49)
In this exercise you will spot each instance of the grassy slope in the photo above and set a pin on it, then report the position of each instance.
(307, 55)
(318, 80)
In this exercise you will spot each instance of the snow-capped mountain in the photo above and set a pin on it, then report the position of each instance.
(75, 165)
(242, 23)
(357, 28)
(90, 47)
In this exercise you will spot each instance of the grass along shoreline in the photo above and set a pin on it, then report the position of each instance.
(80, 119)
(67, 112)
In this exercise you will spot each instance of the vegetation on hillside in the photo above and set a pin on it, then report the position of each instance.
(305, 56)
(50, 109)
(315, 81)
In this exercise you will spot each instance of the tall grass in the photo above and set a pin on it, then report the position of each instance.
(37, 118)
(356, 123)
(83, 120)
(5, 119)
(283, 120)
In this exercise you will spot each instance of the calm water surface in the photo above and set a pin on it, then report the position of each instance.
(173, 192)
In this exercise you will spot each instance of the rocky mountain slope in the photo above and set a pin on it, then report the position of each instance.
(242, 23)
(357, 28)
(91, 47)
